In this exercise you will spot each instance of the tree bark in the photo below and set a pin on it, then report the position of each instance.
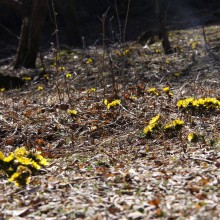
(33, 15)
(69, 14)
(161, 7)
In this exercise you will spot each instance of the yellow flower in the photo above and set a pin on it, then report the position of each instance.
(133, 98)
(167, 61)
(46, 76)
(152, 125)
(177, 74)
(209, 103)
(153, 91)
(124, 53)
(28, 162)
(26, 78)
(192, 137)
(9, 158)
(14, 177)
(2, 89)
(35, 165)
(41, 160)
(199, 104)
(175, 124)
(154, 119)
(24, 160)
(61, 68)
(194, 44)
(89, 60)
(21, 151)
(71, 112)
(1, 155)
(40, 88)
(113, 103)
(148, 129)
(158, 51)
(170, 94)
(166, 89)
(68, 75)
(23, 163)
(90, 90)
(105, 102)
(185, 102)
(21, 177)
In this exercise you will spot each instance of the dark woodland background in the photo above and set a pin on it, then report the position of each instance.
(88, 21)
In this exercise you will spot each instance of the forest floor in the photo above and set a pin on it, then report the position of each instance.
(101, 164)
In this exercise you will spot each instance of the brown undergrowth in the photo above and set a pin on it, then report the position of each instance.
(88, 121)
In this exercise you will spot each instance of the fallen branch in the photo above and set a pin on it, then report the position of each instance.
(201, 159)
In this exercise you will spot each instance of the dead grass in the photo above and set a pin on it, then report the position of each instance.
(101, 164)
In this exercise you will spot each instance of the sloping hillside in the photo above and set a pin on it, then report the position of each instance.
(131, 149)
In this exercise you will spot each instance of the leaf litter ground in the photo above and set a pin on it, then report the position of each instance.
(101, 164)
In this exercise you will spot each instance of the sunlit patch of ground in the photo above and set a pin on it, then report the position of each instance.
(102, 166)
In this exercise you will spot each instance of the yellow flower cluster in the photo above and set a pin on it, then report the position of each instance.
(21, 177)
(2, 89)
(153, 124)
(174, 125)
(91, 90)
(199, 104)
(89, 60)
(153, 91)
(193, 137)
(184, 103)
(61, 68)
(194, 44)
(123, 53)
(20, 164)
(209, 103)
(46, 76)
(40, 88)
(68, 75)
(26, 78)
(167, 91)
(167, 61)
(177, 74)
(71, 112)
(111, 104)
(133, 98)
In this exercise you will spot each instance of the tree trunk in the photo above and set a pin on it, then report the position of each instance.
(33, 15)
(69, 14)
(161, 7)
